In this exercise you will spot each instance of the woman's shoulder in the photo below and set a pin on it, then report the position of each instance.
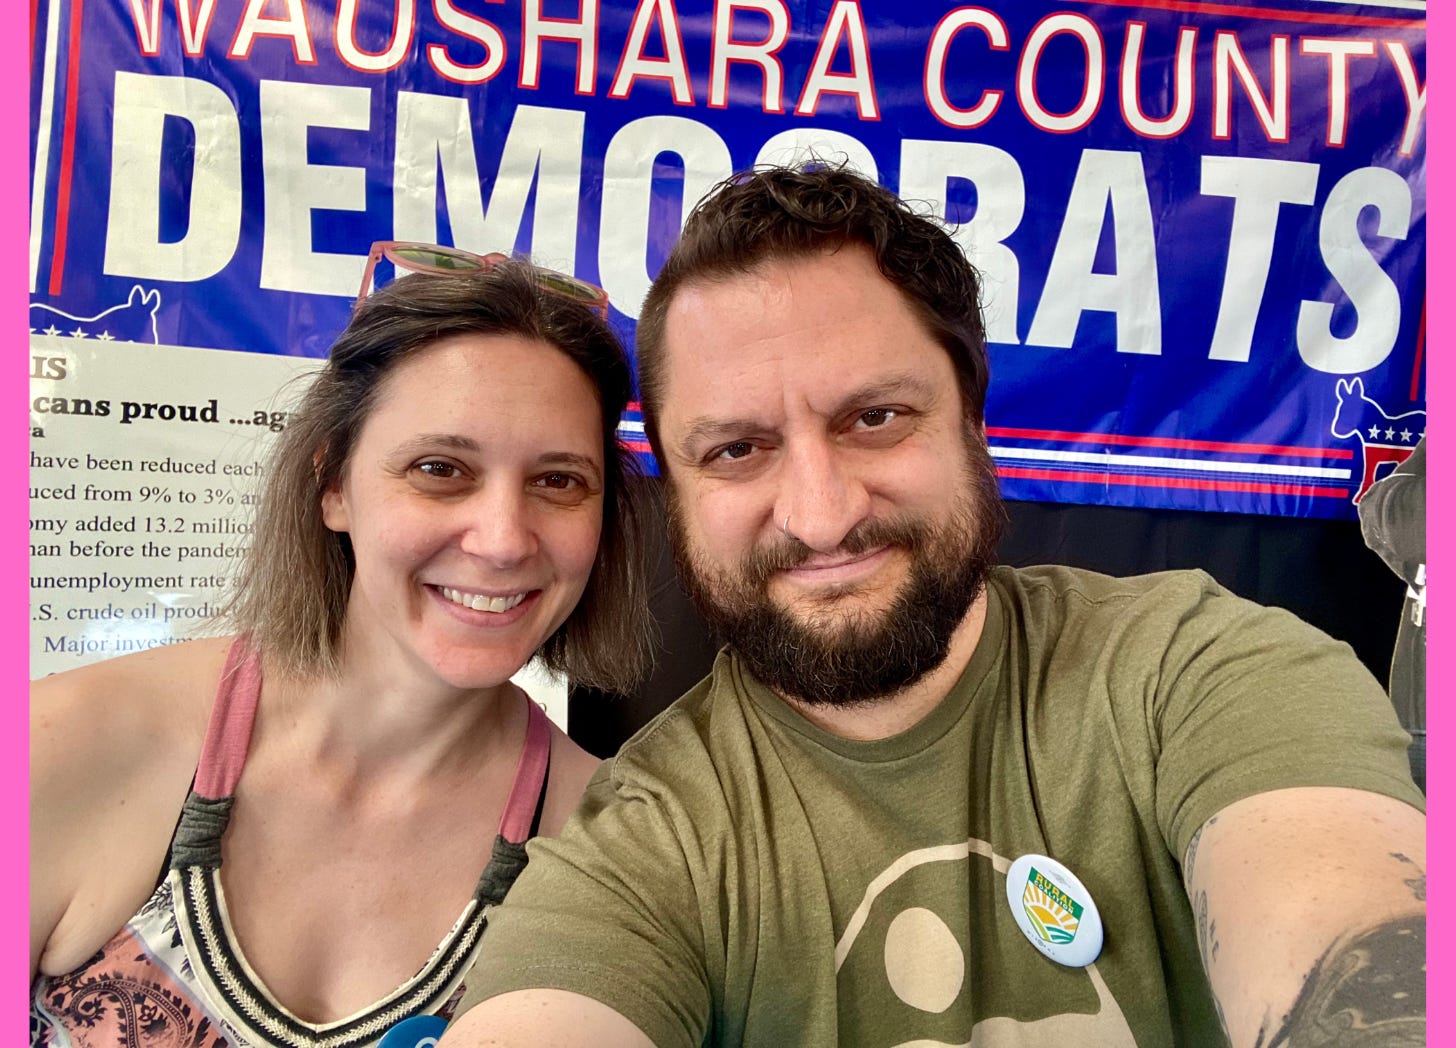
(134, 723)
(141, 701)
(571, 769)
(113, 749)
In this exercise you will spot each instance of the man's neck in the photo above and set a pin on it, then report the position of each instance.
(906, 708)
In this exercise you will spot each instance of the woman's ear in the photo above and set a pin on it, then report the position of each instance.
(331, 502)
(335, 513)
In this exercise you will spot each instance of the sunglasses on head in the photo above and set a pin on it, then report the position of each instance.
(438, 258)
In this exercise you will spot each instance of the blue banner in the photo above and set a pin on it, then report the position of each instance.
(1201, 225)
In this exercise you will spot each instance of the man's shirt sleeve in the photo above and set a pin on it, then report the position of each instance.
(1251, 699)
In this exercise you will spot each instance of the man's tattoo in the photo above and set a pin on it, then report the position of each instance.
(1416, 884)
(1365, 992)
(1191, 853)
(1207, 948)
(1188, 860)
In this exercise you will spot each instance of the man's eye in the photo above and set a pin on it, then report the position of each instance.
(732, 452)
(876, 417)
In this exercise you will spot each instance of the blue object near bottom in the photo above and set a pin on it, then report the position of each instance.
(418, 1031)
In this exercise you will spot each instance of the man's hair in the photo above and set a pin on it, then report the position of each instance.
(292, 588)
(774, 214)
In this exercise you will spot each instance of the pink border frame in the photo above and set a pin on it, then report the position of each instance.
(14, 563)
(1440, 329)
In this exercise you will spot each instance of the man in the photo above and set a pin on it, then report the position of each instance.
(922, 800)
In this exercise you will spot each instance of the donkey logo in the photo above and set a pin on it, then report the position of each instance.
(135, 320)
(1386, 440)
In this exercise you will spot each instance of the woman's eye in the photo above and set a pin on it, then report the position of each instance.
(559, 481)
(876, 417)
(438, 470)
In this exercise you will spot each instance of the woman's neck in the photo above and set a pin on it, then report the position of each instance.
(364, 723)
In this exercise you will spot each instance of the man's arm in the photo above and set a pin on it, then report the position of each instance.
(543, 1019)
(1310, 907)
(600, 940)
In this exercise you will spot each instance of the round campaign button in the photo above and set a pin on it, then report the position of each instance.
(1054, 910)
(418, 1031)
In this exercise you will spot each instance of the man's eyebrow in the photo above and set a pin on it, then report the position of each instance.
(706, 429)
(888, 390)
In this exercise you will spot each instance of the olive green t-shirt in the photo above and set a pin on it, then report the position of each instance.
(738, 876)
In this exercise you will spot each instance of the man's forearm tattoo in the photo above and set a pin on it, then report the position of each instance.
(1365, 992)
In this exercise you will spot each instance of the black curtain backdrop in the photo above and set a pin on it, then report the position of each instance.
(1318, 569)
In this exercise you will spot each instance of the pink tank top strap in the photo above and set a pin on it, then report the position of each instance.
(230, 728)
(530, 777)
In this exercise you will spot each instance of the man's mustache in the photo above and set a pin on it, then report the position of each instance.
(785, 552)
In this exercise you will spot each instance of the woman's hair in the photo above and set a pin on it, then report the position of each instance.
(293, 585)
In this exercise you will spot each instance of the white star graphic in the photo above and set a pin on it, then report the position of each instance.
(106, 336)
(78, 333)
(1374, 432)
(1405, 435)
(52, 330)
(1390, 434)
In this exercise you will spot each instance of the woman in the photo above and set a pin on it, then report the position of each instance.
(448, 501)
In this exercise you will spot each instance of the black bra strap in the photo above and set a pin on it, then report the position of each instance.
(541, 797)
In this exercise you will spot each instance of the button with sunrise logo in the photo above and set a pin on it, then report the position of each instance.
(1054, 910)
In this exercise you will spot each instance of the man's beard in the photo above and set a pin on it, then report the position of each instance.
(834, 658)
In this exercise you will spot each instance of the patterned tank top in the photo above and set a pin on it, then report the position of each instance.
(174, 975)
